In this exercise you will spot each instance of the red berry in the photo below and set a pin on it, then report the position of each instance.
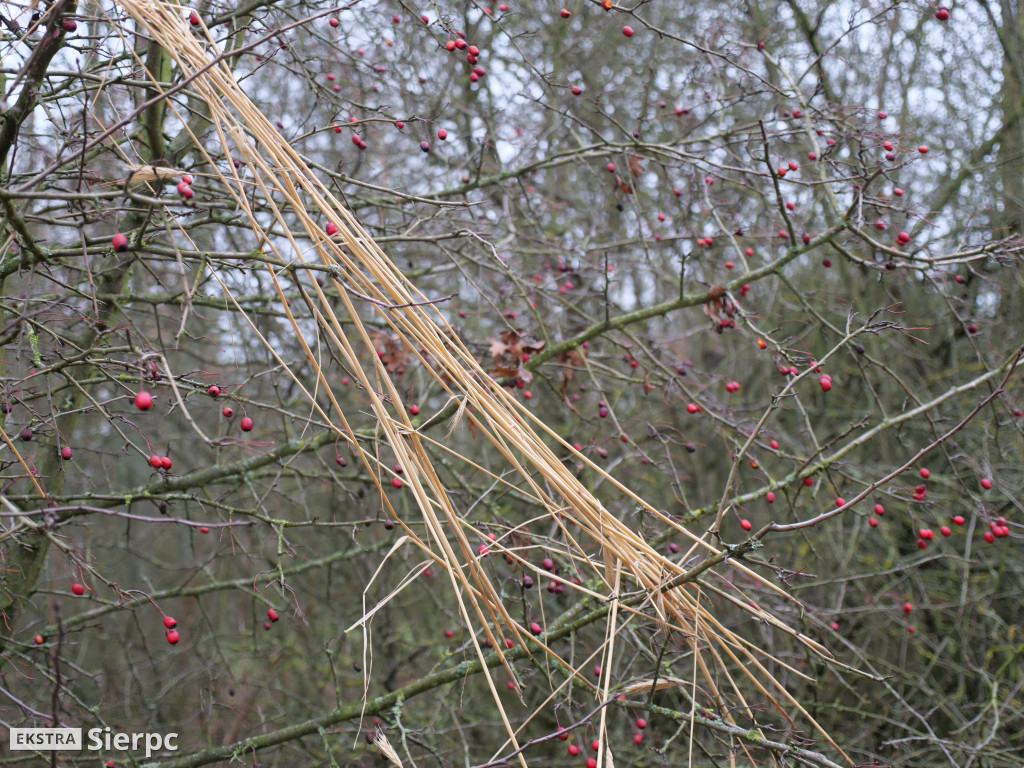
(595, 745)
(442, 134)
(169, 622)
(227, 411)
(641, 723)
(745, 524)
(826, 383)
(958, 519)
(165, 462)
(154, 462)
(143, 401)
(562, 733)
(425, 145)
(204, 529)
(808, 481)
(120, 242)
(68, 25)
(193, 19)
(942, 13)
(331, 228)
(923, 149)
(574, 750)
(627, 31)
(945, 530)
(449, 634)
(591, 762)
(986, 483)
(246, 424)
(213, 391)
(638, 737)
(77, 589)
(879, 509)
(414, 409)
(770, 497)
(989, 537)
(873, 521)
(38, 639)
(272, 614)
(908, 607)
(396, 482)
(333, 22)
(65, 453)
(535, 628)
(565, 14)
(173, 637)
(925, 473)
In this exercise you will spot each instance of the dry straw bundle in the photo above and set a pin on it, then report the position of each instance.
(368, 282)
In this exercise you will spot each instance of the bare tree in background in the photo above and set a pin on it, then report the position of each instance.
(757, 263)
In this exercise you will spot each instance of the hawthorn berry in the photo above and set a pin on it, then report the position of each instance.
(627, 31)
(272, 614)
(193, 19)
(442, 134)
(574, 750)
(120, 242)
(154, 461)
(165, 462)
(986, 483)
(227, 411)
(173, 637)
(38, 639)
(425, 145)
(331, 228)
(770, 497)
(169, 622)
(958, 519)
(65, 453)
(745, 524)
(535, 628)
(143, 400)
(213, 391)
(641, 723)
(68, 25)
(246, 424)
(564, 13)
(527, 582)
(333, 22)
(591, 762)
(925, 473)
(942, 13)
(77, 589)
(396, 482)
